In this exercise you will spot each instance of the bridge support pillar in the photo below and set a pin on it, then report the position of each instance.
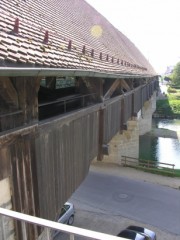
(125, 143)
(145, 115)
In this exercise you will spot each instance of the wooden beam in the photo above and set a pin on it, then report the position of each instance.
(4, 163)
(130, 82)
(8, 92)
(51, 82)
(92, 85)
(111, 90)
(125, 85)
(27, 89)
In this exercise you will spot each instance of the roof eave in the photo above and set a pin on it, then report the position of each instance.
(58, 72)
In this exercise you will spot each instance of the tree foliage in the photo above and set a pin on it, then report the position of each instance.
(176, 74)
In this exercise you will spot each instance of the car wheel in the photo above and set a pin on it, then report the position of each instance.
(71, 220)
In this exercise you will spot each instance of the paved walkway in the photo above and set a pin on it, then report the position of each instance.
(113, 224)
(115, 169)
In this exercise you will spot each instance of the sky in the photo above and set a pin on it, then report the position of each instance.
(152, 25)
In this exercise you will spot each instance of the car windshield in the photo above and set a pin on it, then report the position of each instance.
(64, 209)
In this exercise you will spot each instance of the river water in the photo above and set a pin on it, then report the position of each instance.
(166, 150)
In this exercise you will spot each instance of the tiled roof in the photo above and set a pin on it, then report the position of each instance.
(66, 34)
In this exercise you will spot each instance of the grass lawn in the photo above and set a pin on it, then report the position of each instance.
(175, 173)
(171, 105)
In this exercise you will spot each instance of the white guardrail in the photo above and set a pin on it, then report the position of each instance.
(48, 225)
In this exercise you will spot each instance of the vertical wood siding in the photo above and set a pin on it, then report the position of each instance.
(23, 180)
(144, 94)
(64, 152)
(112, 119)
(137, 100)
(48, 162)
(5, 170)
(127, 107)
(10, 120)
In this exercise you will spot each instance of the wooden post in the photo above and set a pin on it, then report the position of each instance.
(101, 90)
(101, 135)
(132, 109)
(122, 115)
(24, 183)
(27, 90)
(112, 88)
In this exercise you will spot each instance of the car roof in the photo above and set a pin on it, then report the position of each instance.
(142, 230)
(68, 203)
(131, 235)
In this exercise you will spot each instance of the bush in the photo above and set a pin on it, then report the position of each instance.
(175, 96)
(168, 106)
(175, 86)
(171, 90)
(175, 106)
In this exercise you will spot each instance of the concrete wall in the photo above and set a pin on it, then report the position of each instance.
(145, 115)
(6, 224)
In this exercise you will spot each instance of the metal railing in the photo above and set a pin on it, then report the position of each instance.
(149, 164)
(50, 225)
(65, 100)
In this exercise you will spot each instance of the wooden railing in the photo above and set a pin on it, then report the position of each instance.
(154, 166)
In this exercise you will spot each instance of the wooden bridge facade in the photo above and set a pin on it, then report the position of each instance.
(46, 160)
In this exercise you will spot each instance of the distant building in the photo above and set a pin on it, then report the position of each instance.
(169, 70)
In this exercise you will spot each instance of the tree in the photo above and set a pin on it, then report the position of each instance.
(176, 74)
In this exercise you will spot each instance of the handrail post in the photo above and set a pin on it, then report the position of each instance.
(71, 236)
(24, 233)
(2, 218)
(48, 233)
(83, 102)
(64, 105)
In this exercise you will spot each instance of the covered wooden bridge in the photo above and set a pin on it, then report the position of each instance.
(69, 82)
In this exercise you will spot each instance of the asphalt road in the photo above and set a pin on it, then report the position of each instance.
(137, 200)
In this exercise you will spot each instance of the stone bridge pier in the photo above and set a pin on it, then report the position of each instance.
(126, 143)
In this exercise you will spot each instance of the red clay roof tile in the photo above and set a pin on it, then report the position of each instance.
(58, 22)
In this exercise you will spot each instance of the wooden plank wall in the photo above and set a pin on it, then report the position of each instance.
(47, 162)
(144, 94)
(112, 118)
(5, 169)
(18, 102)
(127, 107)
(120, 109)
(137, 100)
(18, 163)
(64, 150)
(11, 120)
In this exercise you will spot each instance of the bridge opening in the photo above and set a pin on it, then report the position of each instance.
(59, 95)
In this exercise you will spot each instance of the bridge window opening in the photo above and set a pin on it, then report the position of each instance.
(59, 95)
(65, 82)
(59, 82)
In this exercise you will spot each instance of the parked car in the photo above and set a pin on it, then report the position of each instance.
(67, 214)
(129, 234)
(147, 232)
